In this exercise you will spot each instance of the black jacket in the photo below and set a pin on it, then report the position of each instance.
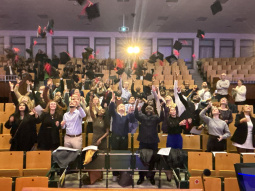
(148, 132)
(241, 132)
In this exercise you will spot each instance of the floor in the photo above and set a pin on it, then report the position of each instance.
(72, 182)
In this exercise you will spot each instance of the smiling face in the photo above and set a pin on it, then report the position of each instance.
(72, 104)
(132, 100)
(121, 108)
(172, 112)
(95, 100)
(149, 110)
(53, 105)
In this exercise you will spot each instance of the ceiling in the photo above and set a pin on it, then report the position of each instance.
(237, 16)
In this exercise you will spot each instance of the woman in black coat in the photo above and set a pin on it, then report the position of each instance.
(243, 137)
(23, 128)
(48, 136)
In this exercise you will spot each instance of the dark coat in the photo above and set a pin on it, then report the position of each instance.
(148, 131)
(26, 136)
(7, 70)
(48, 136)
(241, 132)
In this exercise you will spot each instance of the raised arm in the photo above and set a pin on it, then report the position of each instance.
(90, 108)
(120, 84)
(112, 111)
(132, 87)
(203, 116)
(16, 91)
(45, 96)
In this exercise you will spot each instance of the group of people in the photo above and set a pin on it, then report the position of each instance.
(121, 112)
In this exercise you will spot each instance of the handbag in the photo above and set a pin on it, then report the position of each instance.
(11, 141)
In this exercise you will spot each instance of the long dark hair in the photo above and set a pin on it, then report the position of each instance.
(17, 112)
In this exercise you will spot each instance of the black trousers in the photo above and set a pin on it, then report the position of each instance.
(118, 143)
(214, 145)
(153, 146)
(218, 96)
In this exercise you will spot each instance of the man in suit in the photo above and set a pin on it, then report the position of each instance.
(9, 68)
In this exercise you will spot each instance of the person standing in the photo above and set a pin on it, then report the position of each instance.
(23, 128)
(222, 87)
(72, 122)
(148, 134)
(243, 137)
(218, 129)
(240, 90)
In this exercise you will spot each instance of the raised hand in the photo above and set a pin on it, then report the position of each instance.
(63, 123)
(11, 119)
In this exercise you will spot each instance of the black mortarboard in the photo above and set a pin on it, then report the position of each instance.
(152, 58)
(177, 45)
(81, 2)
(113, 77)
(10, 53)
(88, 49)
(29, 51)
(200, 34)
(120, 71)
(50, 26)
(116, 81)
(148, 77)
(99, 75)
(216, 7)
(64, 57)
(93, 11)
(41, 32)
(160, 56)
(90, 74)
(171, 59)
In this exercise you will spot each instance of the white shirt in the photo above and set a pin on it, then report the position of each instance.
(240, 93)
(10, 68)
(73, 121)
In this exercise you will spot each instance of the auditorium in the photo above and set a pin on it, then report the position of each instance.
(127, 95)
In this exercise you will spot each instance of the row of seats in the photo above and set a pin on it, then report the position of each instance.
(23, 182)
(237, 60)
(33, 163)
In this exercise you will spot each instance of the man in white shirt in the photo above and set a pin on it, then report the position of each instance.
(204, 93)
(125, 93)
(72, 122)
(222, 87)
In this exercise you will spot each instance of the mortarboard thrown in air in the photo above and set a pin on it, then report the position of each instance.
(177, 45)
(64, 57)
(148, 77)
(216, 7)
(41, 32)
(200, 34)
(171, 59)
(50, 26)
(90, 74)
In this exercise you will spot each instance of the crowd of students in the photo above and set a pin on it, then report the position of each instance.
(120, 112)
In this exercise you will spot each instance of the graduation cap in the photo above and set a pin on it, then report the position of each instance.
(216, 7)
(160, 56)
(64, 57)
(171, 59)
(177, 45)
(50, 26)
(41, 32)
(152, 58)
(10, 54)
(81, 2)
(120, 71)
(93, 11)
(29, 51)
(90, 74)
(148, 77)
(99, 75)
(88, 49)
(200, 34)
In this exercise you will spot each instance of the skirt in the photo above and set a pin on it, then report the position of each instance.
(174, 141)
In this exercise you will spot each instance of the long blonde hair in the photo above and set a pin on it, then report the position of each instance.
(30, 103)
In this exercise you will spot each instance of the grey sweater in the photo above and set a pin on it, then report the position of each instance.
(216, 127)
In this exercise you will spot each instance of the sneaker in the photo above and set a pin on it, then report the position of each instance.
(114, 178)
